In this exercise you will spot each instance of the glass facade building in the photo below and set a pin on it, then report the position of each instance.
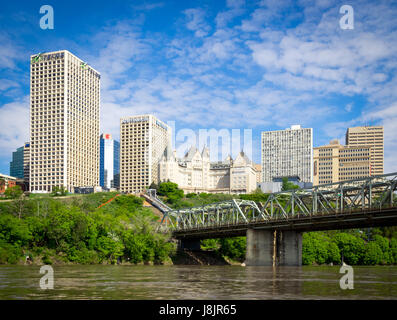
(16, 165)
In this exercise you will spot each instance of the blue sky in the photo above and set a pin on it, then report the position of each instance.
(260, 65)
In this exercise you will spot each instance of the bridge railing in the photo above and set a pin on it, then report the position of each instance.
(350, 196)
(152, 195)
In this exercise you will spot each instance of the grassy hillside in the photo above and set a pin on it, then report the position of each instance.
(75, 230)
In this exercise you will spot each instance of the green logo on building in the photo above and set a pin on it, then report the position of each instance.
(36, 58)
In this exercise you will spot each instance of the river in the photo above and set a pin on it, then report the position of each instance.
(197, 282)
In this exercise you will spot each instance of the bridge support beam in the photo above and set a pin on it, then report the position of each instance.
(260, 245)
(289, 248)
(192, 245)
(270, 248)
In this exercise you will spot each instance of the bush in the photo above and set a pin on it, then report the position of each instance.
(210, 244)
(10, 253)
(191, 195)
(13, 192)
(351, 247)
(233, 248)
(318, 248)
(384, 246)
(373, 254)
(393, 249)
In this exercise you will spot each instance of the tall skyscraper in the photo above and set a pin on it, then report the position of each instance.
(334, 163)
(64, 122)
(109, 166)
(143, 141)
(287, 152)
(369, 136)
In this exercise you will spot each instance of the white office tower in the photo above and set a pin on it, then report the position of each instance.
(287, 153)
(64, 122)
(143, 141)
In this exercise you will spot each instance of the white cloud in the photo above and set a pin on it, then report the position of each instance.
(6, 84)
(196, 22)
(9, 53)
(14, 125)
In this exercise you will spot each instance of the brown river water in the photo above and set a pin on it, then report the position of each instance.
(197, 282)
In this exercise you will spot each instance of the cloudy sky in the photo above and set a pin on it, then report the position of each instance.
(215, 64)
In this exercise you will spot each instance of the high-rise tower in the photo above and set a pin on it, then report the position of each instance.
(143, 141)
(287, 152)
(371, 136)
(64, 122)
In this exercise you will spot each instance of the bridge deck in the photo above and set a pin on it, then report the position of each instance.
(348, 220)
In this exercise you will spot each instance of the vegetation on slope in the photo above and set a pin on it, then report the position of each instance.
(75, 230)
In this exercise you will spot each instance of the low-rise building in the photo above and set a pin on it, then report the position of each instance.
(7, 182)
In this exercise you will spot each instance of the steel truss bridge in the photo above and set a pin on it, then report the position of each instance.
(365, 202)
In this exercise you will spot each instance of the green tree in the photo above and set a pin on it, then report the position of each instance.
(287, 185)
(171, 191)
(58, 191)
(14, 192)
(384, 246)
(373, 254)
(393, 249)
(234, 248)
(110, 247)
(351, 247)
(317, 247)
(210, 244)
(13, 230)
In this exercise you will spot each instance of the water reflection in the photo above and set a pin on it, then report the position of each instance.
(197, 282)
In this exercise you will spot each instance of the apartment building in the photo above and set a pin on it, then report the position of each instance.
(287, 152)
(369, 136)
(143, 141)
(335, 162)
(64, 122)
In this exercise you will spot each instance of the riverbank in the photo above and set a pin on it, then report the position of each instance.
(180, 257)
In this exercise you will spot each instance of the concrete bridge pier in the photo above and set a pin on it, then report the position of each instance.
(260, 249)
(289, 248)
(273, 248)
